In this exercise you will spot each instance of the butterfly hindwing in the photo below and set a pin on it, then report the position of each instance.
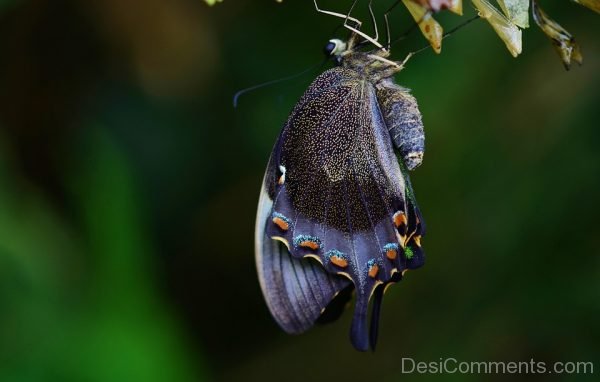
(297, 291)
(335, 195)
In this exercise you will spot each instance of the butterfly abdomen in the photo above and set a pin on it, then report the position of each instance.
(403, 120)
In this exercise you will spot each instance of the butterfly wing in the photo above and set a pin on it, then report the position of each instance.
(336, 193)
(297, 291)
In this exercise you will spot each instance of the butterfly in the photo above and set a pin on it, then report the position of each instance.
(337, 213)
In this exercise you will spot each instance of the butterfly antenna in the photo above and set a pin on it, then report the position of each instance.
(273, 82)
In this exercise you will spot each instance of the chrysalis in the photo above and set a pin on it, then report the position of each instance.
(336, 209)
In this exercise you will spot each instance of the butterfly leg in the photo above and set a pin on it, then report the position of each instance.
(356, 28)
(388, 44)
(373, 20)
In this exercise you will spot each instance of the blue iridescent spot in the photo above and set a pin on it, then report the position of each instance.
(390, 246)
(336, 253)
(372, 268)
(337, 258)
(281, 216)
(306, 241)
(391, 250)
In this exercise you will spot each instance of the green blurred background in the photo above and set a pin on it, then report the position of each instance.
(128, 187)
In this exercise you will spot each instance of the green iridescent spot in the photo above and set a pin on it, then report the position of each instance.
(408, 252)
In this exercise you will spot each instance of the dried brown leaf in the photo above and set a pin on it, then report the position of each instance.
(563, 41)
(430, 28)
(594, 5)
(437, 5)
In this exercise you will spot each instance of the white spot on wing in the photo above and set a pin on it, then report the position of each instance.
(282, 178)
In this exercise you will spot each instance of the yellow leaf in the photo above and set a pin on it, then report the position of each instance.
(456, 7)
(594, 5)
(563, 42)
(517, 11)
(430, 28)
(437, 5)
(212, 2)
(506, 30)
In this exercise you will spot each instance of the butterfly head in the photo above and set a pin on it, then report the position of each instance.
(375, 62)
(335, 48)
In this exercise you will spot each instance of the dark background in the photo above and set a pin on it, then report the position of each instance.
(128, 188)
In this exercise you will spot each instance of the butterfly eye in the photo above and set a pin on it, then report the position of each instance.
(334, 47)
(329, 48)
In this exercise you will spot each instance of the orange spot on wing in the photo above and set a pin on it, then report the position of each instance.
(339, 261)
(281, 223)
(373, 271)
(309, 244)
(400, 219)
(391, 254)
